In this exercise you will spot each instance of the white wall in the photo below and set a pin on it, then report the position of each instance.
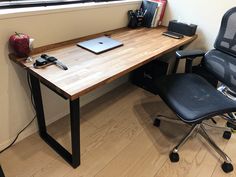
(46, 28)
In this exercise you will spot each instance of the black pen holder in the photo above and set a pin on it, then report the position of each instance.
(135, 19)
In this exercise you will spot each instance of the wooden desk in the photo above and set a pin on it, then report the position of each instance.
(88, 71)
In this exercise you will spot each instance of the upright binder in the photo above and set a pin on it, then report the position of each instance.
(150, 8)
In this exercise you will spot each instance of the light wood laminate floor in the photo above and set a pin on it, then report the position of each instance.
(119, 140)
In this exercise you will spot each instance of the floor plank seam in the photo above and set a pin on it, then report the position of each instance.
(118, 154)
(166, 161)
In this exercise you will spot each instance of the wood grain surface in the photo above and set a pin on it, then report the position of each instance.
(88, 71)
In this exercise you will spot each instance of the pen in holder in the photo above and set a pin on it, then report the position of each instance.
(135, 18)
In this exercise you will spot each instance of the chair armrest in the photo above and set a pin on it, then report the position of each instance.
(189, 54)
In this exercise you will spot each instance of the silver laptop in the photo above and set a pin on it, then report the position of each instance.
(100, 44)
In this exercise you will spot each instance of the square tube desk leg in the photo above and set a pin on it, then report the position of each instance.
(36, 91)
(72, 158)
(75, 131)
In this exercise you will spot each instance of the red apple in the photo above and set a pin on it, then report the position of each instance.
(20, 44)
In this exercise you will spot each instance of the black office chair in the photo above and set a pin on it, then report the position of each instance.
(193, 99)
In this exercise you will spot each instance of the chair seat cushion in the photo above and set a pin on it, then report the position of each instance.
(192, 98)
(223, 66)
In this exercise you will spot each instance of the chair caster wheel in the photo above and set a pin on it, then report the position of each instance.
(227, 135)
(174, 157)
(157, 122)
(227, 167)
(230, 125)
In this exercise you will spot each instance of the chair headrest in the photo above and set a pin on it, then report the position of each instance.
(226, 39)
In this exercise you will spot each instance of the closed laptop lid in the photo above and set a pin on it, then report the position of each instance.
(100, 44)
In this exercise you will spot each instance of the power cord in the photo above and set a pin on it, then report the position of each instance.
(18, 134)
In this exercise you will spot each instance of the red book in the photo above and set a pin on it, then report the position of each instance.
(164, 2)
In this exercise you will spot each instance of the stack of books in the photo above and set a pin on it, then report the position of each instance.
(154, 11)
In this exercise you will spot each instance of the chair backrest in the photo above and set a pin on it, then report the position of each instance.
(226, 39)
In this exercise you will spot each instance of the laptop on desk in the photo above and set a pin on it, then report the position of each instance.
(100, 44)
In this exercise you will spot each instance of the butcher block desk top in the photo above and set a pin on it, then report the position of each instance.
(87, 71)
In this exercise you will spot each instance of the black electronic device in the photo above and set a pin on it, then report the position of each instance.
(182, 28)
(44, 60)
(54, 60)
(40, 62)
(173, 34)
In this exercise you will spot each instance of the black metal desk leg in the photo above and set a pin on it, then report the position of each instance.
(72, 158)
(75, 131)
(36, 91)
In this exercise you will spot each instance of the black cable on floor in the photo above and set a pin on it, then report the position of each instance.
(18, 134)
